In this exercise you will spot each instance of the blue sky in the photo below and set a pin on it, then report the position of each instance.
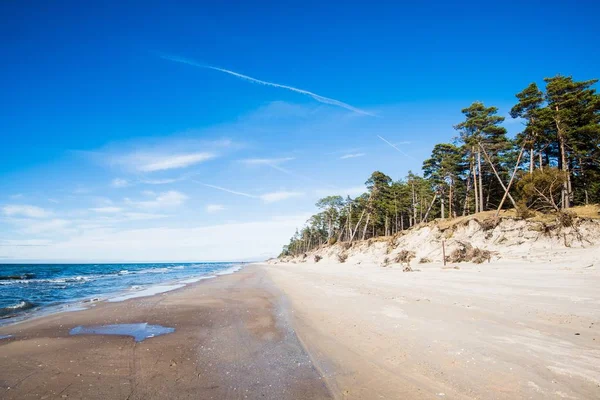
(119, 144)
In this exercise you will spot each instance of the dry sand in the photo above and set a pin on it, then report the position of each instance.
(504, 330)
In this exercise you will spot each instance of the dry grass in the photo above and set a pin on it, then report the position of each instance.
(405, 256)
(466, 252)
(342, 257)
(591, 211)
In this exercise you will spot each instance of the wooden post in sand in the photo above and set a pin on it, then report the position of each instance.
(444, 251)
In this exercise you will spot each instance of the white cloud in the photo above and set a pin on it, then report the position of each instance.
(137, 216)
(119, 183)
(279, 196)
(160, 181)
(32, 227)
(266, 161)
(214, 208)
(107, 210)
(266, 197)
(170, 199)
(254, 240)
(355, 155)
(16, 210)
(317, 97)
(152, 163)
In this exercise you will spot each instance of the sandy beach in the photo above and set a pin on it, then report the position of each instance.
(232, 340)
(504, 330)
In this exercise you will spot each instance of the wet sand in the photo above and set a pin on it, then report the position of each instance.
(233, 340)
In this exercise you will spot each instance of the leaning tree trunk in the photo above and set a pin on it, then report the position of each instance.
(366, 226)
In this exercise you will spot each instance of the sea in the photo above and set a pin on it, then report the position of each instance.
(28, 290)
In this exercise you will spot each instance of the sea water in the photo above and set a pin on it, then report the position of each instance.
(27, 289)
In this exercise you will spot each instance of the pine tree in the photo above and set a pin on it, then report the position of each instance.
(481, 132)
(574, 108)
(529, 107)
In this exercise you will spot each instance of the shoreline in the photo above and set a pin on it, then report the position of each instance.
(329, 330)
(88, 302)
(232, 337)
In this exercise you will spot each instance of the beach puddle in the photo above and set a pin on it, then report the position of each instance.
(5, 336)
(139, 332)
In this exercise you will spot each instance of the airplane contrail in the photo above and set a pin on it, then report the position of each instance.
(228, 190)
(317, 97)
(395, 147)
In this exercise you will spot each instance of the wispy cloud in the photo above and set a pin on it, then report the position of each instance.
(137, 216)
(266, 161)
(36, 227)
(317, 97)
(107, 210)
(160, 181)
(228, 190)
(355, 155)
(21, 210)
(119, 183)
(214, 208)
(395, 147)
(279, 196)
(266, 197)
(152, 163)
(168, 199)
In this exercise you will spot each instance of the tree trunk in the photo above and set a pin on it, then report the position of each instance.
(429, 209)
(366, 226)
(450, 199)
(514, 203)
(466, 204)
(510, 182)
(414, 205)
(480, 181)
(531, 161)
(475, 190)
(442, 206)
(565, 192)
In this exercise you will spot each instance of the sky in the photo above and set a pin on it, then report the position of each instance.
(197, 131)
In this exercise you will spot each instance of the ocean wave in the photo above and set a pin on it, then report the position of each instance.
(70, 279)
(30, 278)
(17, 277)
(20, 306)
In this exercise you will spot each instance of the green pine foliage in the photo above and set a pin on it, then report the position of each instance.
(551, 165)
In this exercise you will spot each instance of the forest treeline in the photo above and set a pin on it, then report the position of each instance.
(550, 166)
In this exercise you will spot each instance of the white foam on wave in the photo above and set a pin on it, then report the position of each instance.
(229, 270)
(198, 279)
(149, 291)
